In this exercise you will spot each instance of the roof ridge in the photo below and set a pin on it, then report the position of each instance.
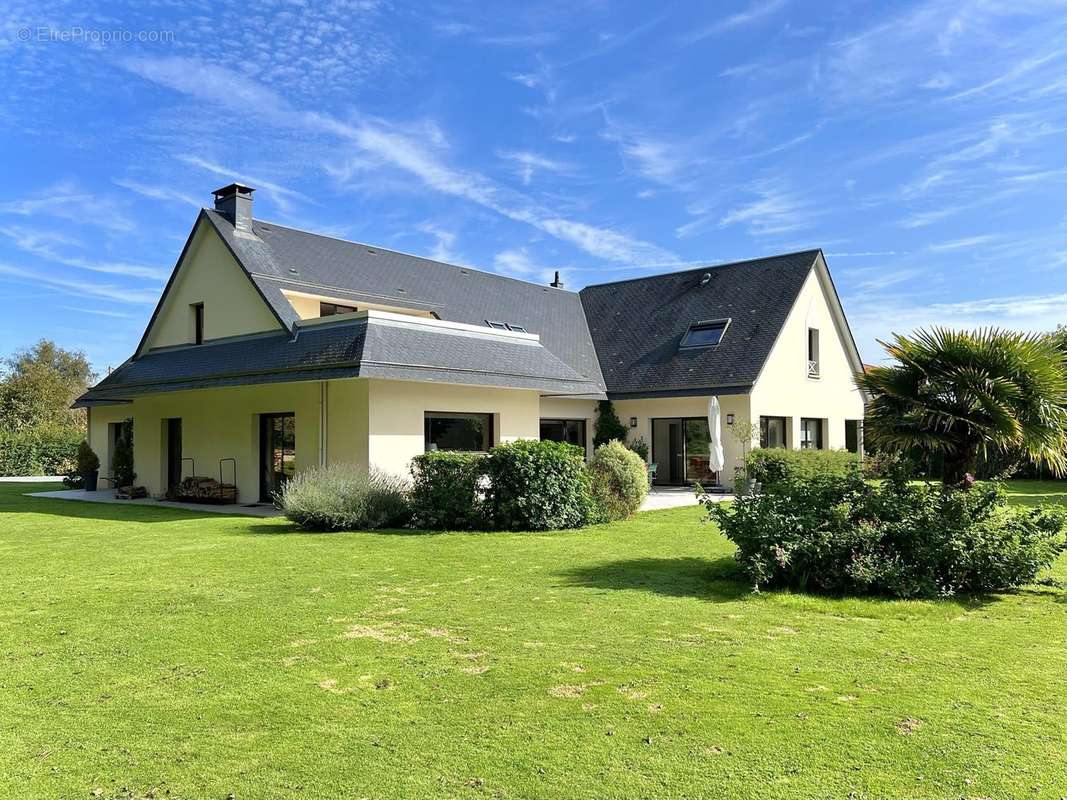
(814, 251)
(412, 255)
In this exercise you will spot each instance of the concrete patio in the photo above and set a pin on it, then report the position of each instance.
(675, 497)
(108, 496)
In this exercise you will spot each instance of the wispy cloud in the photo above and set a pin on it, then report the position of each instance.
(526, 164)
(390, 145)
(44, 245)
(965, 243)
(754, 13)
(79, 288)
(517, 263)
(281, 195)
(66, 200)
(1024, 67)
(444, 243)
(775, 209)
(156, 192)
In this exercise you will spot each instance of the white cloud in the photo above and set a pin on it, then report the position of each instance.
(961, 244)
(392, 146)
(67, 201)
(157, 192)
(776, 209)
(444, 243)
(517, 263)
(43, 244)
(123, 294)
(526, 164)
(756, 12)
(281, 195)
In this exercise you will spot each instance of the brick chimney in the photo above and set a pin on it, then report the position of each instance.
(235, 203)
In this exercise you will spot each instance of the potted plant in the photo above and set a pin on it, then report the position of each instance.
(88, 466)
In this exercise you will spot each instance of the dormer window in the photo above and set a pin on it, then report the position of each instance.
(706, 333)
(197, 311)
(813, 352)
(330, 309)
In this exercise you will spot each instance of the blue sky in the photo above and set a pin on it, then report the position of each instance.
(922, 145)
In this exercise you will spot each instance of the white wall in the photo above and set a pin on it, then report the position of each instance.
(784, 388)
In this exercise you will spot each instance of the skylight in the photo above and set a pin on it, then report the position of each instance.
(505, 326)
(706, 333)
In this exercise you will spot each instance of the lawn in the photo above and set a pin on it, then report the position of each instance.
(158, 653)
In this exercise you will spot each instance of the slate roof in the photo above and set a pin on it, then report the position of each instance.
(374, 346)
(638, 324)
(620, 338)
(363, 272)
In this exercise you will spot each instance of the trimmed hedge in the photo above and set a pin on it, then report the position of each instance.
(39, 451)
(837, 533)
(772, 465)
(537, 486)
(446, 490)
(343, 497)
(618, 481)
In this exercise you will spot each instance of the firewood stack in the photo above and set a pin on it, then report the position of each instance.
(200, 489)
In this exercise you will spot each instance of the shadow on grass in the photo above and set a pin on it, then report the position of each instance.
(718, 580)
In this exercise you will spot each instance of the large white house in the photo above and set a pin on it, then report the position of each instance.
(273, 349)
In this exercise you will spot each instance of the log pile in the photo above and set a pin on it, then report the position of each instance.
(130, 492)
(200, 489)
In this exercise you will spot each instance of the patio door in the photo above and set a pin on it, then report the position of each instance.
(681, 452)
(277, 448)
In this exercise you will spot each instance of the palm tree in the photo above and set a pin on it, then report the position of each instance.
(963, 394)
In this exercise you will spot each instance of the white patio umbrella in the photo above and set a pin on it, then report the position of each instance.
(715, 456)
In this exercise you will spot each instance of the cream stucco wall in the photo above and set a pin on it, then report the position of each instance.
(397, 413)
(783, 388)
(208, 274)
(306, 305)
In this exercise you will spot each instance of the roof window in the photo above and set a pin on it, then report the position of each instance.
(706, 333)
(500, 326)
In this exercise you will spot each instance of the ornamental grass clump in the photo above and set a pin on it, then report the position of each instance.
(343, 497)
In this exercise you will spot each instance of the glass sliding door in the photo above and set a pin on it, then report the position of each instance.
(277, 447)
(698, 453)
(681, 450)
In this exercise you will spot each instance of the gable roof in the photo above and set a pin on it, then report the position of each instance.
(638, 324)
(286, 258)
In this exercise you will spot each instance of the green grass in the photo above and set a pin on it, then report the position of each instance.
(149, 652)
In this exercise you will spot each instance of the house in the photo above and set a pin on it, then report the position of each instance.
(273, 349)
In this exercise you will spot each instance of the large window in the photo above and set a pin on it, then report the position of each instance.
(449, 431)
(705, 334)
(810, 434)
(571, 431)
(329, 309)
(772, 431)
(853, 435)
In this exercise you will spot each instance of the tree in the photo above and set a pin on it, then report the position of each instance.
(608, 426)
(39, 385)
(962, 394)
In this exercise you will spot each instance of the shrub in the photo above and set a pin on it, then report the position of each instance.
(38, 451)
(446, 490)
(537, 486)
(86, 463)
(773, 465)
(639, 446)
(840, 534)
(122, 457)
(608, 426)
(343, 497)
(618, 480)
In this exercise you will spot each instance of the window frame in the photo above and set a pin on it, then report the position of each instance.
(489, 436)
(564, 420)
(496, 326)
(764, 432)
(814, 364)
(198, 322)
(819, 437)
(704, 324)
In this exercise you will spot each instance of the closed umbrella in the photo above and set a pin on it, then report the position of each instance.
(715, 457)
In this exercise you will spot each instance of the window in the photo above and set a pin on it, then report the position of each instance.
(198, 322)
(810, 434)
(772, 431)
(571, 431)
(705, 334)
(448, 431)
(853, 435)
(813, 352)
(500, 326)
(330, 309)
(516, 328)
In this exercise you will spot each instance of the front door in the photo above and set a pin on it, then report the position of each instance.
(174, 452)
(277, 447)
